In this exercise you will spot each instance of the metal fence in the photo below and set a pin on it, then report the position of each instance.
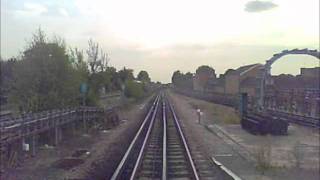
(31, 124)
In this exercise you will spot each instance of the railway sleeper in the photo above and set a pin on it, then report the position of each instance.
(149, 173)
(182, 173)
(177, 157)
(178, 168)
(177, 163)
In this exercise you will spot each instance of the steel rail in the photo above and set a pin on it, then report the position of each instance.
(138, 161)
(193, 167)
(126, 155)
(164, 145)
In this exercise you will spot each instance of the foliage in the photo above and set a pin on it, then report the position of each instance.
(207, 70)
(133, 89)
(6, 74)
(203, 74)
(48, 76)
(76, 57)
(44, 78)
(143, 76)
(263, 155)
(115, 83)
(97, 58)
(125, 75)
(182, 80)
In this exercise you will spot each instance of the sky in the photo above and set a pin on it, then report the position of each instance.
(161, 36)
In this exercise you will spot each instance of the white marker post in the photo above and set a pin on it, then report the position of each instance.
(199, 115)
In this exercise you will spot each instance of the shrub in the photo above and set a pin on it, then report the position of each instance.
(133, 89)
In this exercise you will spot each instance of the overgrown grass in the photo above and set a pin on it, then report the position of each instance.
(221, 114)
(263, 156)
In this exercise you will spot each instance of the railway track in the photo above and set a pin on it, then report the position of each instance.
(160, 150)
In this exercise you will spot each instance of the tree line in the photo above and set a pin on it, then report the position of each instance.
(48, 75)
(185, 80)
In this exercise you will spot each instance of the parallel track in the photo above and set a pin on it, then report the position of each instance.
(160, 150)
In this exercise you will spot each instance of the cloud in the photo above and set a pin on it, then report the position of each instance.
(258, 6)
(37, 9)
(31, 9)
(55, 11)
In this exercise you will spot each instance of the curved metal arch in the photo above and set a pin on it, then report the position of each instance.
(267, 67)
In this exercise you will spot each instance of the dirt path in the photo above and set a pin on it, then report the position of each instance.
(228, 151)
(104, 148)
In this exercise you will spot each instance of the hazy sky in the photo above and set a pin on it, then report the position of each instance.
(165, 35)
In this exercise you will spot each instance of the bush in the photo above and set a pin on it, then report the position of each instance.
(44, 78)
(133, 90)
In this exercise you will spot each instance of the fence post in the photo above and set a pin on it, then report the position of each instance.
(73, 122)
(56, 129)
(56, 135)
(23, 140)
(33, 144)
(84, 120)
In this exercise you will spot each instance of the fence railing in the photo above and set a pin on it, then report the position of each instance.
(35, 123)
(233, 101)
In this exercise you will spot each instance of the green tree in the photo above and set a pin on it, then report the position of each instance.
(207, 70)
(6, 74)
(125, 74)
(77, 59)
(44, 78)
(99, 77)
(115, 79)
(97, 58)
(143, 76)
(176, 77)
(133, 89)
(182, 80)
(204, 73)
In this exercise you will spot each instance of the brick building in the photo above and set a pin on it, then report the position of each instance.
(244, 79)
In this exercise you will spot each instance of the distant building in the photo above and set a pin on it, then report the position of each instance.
(244, 79)
(202, 81)
(295, 94)
(310, 72)
(216, 85)
(308, 79)
(251, 86)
